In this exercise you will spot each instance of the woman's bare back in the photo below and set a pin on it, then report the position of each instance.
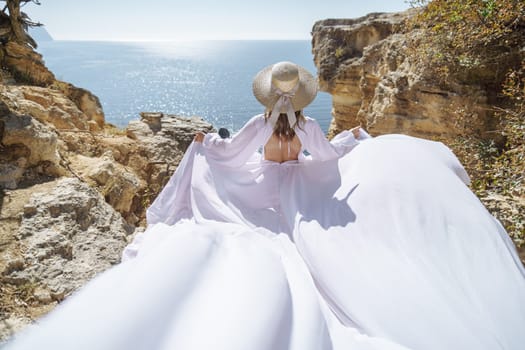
(279, 149)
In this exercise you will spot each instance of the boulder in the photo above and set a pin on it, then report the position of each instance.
(85, 101)
(47, 105)
(26, 143)
(54, 237)
(66, 235)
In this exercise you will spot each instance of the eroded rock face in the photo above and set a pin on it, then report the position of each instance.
(165, 138)
(146, 157)
(363, 64)
(46, 105)
(130, 167)
(70, 233)
(26, 143)
(26, 64)
(64, 235)
(42, 132)
(85, 101)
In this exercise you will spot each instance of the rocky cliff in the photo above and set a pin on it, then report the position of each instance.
(364, 64)
(73, 189)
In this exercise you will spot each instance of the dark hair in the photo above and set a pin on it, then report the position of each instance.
(282, 127)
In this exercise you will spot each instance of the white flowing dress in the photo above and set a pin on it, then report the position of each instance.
(374, 243)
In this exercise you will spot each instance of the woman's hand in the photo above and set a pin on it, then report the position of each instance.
(199, 137)
(355, 131)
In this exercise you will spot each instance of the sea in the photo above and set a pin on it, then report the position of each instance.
(209, 79)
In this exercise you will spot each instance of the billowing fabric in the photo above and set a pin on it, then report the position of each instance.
(374, 243)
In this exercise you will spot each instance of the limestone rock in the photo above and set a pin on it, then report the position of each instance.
(154, 120)
(85, 101)
(26, 65)
(121, 190)
(167, 140)
(67, 235)
(54, 237)
(130, 167)
(363, 64)
(119, 185)
(47, 105)
(103, 172)
(151, 149)
(39, 140)
(11, 173)
(26, 143)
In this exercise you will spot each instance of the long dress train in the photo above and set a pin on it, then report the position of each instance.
(363, 244)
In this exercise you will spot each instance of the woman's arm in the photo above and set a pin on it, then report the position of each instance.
(320, 148)
(238, 149)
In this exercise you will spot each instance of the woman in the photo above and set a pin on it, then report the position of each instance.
(363, 243)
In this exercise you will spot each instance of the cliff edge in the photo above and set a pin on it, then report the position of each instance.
(365, 65)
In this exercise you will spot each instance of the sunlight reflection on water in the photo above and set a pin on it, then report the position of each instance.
(211, 79)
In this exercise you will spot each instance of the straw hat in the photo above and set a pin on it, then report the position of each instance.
(288, 79)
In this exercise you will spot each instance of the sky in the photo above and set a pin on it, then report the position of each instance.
(164, 20)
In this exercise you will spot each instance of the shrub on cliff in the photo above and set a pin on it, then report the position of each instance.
(16, 46)
(14, 24)
(476, 41)
(482, 42)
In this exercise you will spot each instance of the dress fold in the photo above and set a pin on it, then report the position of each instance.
(368, 243)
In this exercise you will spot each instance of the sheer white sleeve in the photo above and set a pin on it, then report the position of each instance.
(241, 147)
(314, 141)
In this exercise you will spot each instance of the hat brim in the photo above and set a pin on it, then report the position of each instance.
(305, 94)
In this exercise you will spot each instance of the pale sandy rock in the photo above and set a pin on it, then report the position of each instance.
(26, 65)
(15, 297)
(121, 190)
(39, 139)
(153, 119)
(93, 126)
(151, 149)
(130, 167)
(79, 142)
(42, 295)
(103, 172)
(119, 185)
(363, 64)
(85, 101)
(67, 235)
(168, 142)
(54, 237)
(144, 159)
(27, 143)
(47, 105)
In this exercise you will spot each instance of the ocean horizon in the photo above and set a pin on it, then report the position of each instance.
(209, 79)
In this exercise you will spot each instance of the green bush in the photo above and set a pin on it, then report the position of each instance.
(482, 42)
